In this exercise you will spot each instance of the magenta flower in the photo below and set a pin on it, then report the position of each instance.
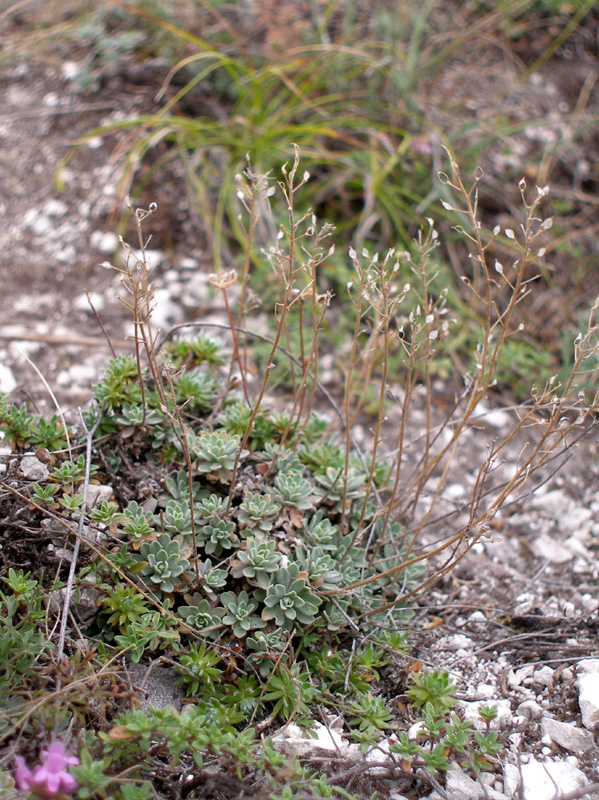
(51, 776)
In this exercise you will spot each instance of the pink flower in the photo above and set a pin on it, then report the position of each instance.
(51, 776)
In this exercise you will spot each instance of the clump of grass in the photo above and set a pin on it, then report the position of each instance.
(275, 566)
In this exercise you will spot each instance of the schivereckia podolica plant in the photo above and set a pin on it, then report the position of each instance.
(269, 541)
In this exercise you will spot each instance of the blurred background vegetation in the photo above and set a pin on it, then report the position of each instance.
(375, 93)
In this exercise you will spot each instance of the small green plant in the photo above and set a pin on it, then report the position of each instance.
(71, 472)
(435, 688)
(211, 578)
(175, 519)
(120, 384)
(20, 584)
(72, 503)
(370, 716)
(196, 351)
(265, 650)
(335, 488)
(443, 735)
(199, 668)
(240, 614)
(125, 604)
(136, 416)
(235, 420)
(319, 567)
(293, 491)
(208, 506)
(322, 457)
(291, 691)
(257, 562)
(289, 601)
(195, 390)
(137, 524)
(214, 452)
(22, 642)
(49, 433)
(17, 424)
(257, 512)
(44, 494)
(200, 614)
(108, 514)
(164, 564)
(146, 635)
(218, 535)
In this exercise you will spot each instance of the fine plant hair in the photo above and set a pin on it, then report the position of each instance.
(400, 316)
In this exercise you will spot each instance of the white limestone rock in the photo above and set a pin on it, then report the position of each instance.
(588, 699)
(567, 735)
(293, 739)
(458, 786)
(503, 719)
(33, 470)
(98, 494)
(540, 779)
(8, 382)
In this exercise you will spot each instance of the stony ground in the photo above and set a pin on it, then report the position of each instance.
(517, 622)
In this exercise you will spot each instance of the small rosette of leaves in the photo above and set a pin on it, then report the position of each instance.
(319, 566)
(333, 487)
(218, 535)
(321, 457)
(371, 716)
(176, 518)
(109, 514)
(321, 532)
(148, 634)
(133, 416)
(239, 613)
(257, 563)
(197, 350)
(236, 418)
(137, 523)
(177, 486)
(199, 668)
(124, 605)
(291, 691)
(213, 504)
(165, 564)
(279, 459)
(44, 495)
(200, 615)
(257, 511)
(16, 423)
(48, 433)
(316, 428)
(120, 383)
(289, 599)
(211, 577)
(292, 490)
(213, 452)
(70, 472)
(197, 390)
(436, 689)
